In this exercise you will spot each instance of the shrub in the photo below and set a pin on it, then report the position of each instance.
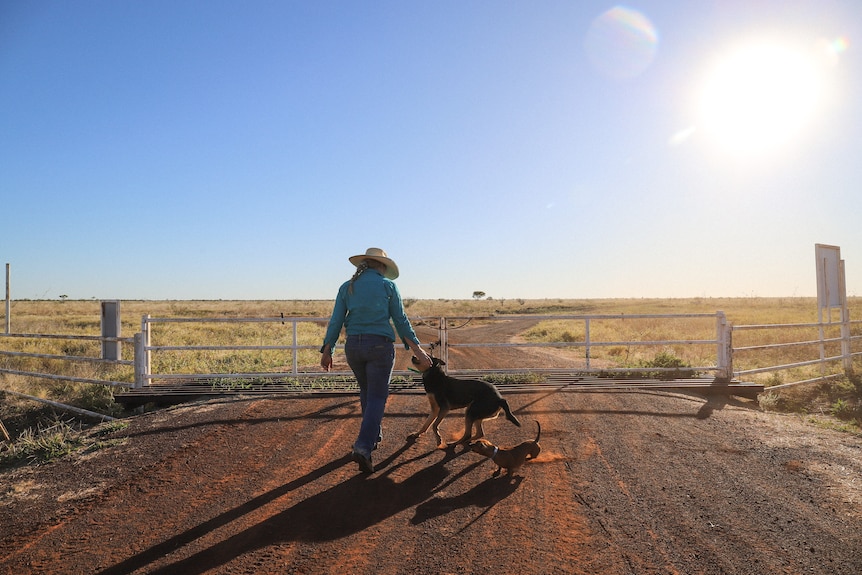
(769, 401)
(842, 409)
(666, 360)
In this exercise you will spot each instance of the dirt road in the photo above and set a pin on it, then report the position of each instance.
(627, 483)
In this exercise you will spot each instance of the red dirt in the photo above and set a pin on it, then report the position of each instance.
(627, 483)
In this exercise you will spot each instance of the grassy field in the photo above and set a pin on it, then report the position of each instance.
(83, 318)
(838, 398)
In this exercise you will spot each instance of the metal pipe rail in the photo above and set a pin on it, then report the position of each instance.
(721, 367)
(789, 344)
(777, 326)
(55, 377)
(226, 347)
(845, 339)
(144, 349)
(59, 336)
(591, 343)
(787, 366)
(62, 406)
(66, 357)
(820, 379)
(622, 316)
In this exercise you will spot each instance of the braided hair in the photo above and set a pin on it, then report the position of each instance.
(362, 267)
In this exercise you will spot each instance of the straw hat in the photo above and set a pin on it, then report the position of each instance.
(378, 255)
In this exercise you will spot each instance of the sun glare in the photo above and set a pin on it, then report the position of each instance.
(759, 97)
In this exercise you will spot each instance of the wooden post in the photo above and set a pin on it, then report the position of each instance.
(724, 336)
(111, 327)
(139, 361)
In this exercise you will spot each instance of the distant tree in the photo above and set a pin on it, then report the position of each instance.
(64, 297)
(478, 294)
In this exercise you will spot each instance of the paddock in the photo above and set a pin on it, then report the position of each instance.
(518, 353)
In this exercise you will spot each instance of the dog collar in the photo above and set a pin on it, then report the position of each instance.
(496, 449)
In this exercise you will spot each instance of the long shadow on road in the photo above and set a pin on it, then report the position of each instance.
(342, 510)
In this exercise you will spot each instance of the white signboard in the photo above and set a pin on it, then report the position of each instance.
(829, 281)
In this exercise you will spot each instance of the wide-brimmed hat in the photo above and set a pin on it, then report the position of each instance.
(378, 255)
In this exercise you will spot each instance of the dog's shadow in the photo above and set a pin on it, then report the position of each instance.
(484, 495)
(342, 510)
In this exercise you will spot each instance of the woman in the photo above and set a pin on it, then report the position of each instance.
(364, 306)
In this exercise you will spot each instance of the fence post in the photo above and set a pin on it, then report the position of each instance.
(111, 330)
(443, 330)
(143, 364)
(139, 360)
(846, 349)
(295, 349)
(724, 337)
(587, 342)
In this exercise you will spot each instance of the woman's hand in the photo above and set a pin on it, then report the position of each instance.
(326, 359)
(423, 359)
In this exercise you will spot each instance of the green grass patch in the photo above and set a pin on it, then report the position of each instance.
(46, 442)
(42, 443)
(508, 378)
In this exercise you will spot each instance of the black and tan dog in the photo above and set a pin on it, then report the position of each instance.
(445, 393)
(511, 458)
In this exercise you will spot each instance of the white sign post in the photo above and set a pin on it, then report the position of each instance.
(831, 294)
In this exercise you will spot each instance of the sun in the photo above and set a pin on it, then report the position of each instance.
(759, 97)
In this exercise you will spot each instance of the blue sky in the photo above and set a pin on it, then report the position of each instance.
(170, 149)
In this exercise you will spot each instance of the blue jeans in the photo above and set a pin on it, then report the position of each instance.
(372, 358)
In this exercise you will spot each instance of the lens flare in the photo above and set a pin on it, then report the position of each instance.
(832, 50)
(839, 45)
(621, 43)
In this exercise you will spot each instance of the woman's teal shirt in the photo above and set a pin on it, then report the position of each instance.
(374, 301)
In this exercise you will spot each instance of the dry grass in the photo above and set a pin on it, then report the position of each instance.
(83, 318)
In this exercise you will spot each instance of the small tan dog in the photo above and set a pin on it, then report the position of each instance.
(511, 458)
